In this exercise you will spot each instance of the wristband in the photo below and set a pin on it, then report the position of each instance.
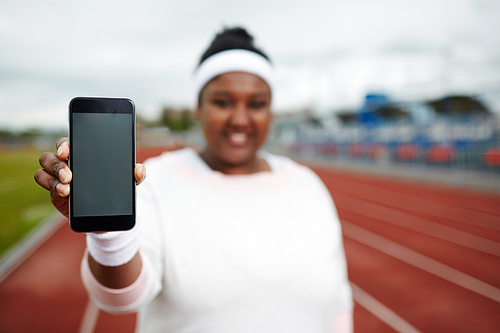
(114, 248)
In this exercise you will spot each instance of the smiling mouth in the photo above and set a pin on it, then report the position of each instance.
(238, 139)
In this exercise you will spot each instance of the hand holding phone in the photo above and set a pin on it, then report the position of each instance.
(55, 177)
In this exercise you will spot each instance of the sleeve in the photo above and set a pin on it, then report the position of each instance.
(114, 300)
(149, 283)
(342, 322)
(152, 243)
(324, 206)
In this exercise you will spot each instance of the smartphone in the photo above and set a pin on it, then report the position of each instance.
(102, 160)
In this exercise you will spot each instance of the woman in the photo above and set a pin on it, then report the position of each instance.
(230, 239)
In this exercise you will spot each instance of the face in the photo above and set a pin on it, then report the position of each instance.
(234, 112)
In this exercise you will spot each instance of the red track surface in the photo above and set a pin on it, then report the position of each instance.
(391, 209)
(420, 257)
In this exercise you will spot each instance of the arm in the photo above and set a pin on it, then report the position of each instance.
(119, 290)
(55, 176)
(341, 320)
(116, 277)
(117, 300)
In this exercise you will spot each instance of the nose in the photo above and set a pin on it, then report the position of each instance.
(240, 116)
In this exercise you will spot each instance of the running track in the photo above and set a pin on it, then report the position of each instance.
(421, 258)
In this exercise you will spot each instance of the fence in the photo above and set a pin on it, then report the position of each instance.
(469, 144)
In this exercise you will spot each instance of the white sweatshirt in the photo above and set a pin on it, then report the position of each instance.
(238, 253)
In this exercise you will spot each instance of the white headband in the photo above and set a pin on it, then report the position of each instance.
(234, 60)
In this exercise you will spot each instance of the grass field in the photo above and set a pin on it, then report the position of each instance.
(23, 204)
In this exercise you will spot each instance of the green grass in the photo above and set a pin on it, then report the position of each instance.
(23, 204)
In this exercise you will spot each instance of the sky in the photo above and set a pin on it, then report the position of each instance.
(327, 54)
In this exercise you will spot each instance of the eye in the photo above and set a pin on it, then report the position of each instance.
(223, 103)
(257, 104)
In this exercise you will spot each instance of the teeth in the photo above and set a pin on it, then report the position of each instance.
(238, 137)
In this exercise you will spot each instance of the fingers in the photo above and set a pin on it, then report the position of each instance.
(51, 183)
(55, 175)
(62, 146)
(140, 173)
(58, 168)
(61, 203)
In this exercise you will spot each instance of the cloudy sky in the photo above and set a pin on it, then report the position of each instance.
(328, 54)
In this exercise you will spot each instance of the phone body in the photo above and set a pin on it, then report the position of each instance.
(102, 160)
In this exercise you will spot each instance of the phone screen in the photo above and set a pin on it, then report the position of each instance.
(102, 164)
(102, 160)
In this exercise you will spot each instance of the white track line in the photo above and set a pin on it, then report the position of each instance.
(90, 317)
(418, 224)
(28, 245)
(380, 311)
(420, 261)
(415, 204)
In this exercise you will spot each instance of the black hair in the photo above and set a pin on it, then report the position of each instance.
(229, 39)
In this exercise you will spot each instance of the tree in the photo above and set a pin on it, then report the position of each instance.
(176, 120)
